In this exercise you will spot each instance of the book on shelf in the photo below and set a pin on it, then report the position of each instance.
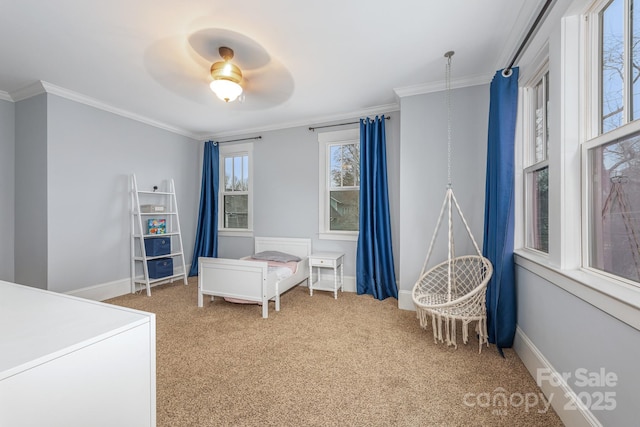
(156, 226)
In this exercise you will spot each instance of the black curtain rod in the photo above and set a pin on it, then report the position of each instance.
(529, 34)
(241, 139)
(339, 124)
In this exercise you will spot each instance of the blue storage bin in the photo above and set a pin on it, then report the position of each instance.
(157, 246)
(159, 268)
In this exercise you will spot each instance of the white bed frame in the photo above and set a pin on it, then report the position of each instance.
(250, 280)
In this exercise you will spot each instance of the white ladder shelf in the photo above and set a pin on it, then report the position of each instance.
(139, 234)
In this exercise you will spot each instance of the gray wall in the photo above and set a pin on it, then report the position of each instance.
(31, 192)
(568, 332)
(423, 175)
(91, 156)
(7, 188)
(572, 335)
(73, 164)
(286, 173)
(286, 168)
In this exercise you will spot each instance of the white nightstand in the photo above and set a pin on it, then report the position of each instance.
(326, 260)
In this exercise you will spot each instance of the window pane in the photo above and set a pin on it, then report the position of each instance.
(245, 173)
(343, 207)
(540, 123)
(228, 171)
(236, 208)
(538, 218)
(546, 115)
(613, 67)
(351, 165)
(335, 172)
(615, 208)
(237, 173)
(344, 165)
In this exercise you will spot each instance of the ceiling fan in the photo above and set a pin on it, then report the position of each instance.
(226, 77)
(220, 58)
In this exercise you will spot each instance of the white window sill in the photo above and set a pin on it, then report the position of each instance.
(616, 298)
(235, 233)
(353, 237)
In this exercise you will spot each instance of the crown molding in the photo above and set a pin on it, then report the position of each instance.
(441, 85)
(40, 87)
(380, 109)
(4, 96)
(526, 15)
(28, 91)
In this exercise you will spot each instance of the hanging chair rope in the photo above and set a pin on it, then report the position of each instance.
(448, 55)
(435, 235)
(449, 197)
(451, 251)
(454, 289)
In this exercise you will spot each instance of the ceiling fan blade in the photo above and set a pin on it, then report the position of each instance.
(268, 86)
(172, 66)
(248, 54)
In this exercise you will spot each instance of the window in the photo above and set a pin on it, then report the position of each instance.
(537, 166)
(339, 184)
(235, 215)
(611, 152)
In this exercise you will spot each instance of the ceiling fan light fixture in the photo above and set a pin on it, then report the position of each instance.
(226, 90)
(226, 77)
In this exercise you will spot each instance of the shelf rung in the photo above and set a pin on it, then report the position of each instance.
(160, 193)
(149, 258)
(172, 233)
(141, 281)
(155, 213)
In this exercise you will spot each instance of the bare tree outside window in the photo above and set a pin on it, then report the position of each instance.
(616, 208)
(613, 66)
(537, 169)
(235, 195)
(344, 187)
(615, 165)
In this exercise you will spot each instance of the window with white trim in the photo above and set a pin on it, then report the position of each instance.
(339, 154)
(611, 151)
(235, 215)
(536, 162)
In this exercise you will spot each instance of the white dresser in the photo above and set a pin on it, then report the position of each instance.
(66, 361)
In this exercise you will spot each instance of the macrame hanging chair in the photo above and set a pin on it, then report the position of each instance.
(455, 289)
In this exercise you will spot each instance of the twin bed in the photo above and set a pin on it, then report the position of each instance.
(283, 265)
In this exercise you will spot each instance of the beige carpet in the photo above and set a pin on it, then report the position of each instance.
(354, 361)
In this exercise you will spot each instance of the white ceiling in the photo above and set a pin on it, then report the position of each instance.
(305, 62)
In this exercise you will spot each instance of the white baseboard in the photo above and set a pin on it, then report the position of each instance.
(563, 399)
(349, 284)
(110, 290)
(405, 300)
(103, 291)
(118, 288)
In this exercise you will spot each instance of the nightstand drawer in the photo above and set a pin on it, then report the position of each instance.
(321, 262)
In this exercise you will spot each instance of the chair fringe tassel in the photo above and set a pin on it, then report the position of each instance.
(439, 320)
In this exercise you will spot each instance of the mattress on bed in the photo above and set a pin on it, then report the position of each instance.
(283, 270)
